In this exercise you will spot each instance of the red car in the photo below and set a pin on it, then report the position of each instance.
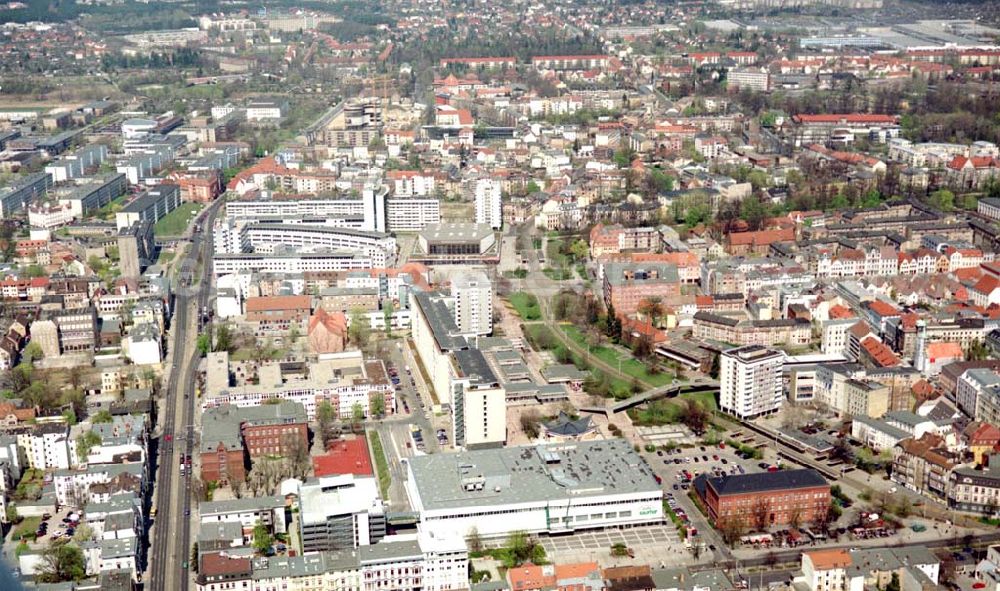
(168, 438)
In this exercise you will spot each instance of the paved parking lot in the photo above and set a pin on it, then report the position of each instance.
(652, 545)
(669, 464)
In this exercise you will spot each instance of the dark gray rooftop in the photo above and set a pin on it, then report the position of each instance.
(766, 481)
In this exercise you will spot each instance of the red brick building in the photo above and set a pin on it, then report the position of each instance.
(274, 437)
(778, 494)
(230, 436)
(626, 285)
(202, 188)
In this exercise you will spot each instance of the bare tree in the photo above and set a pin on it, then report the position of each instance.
(795, 517)
(298, 457)
(474, 540)
(237, 486)
(731, 528)
(760, 514)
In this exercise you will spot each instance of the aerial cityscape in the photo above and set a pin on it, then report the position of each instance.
(564, 295)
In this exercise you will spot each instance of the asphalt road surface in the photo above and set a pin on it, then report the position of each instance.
(170, 554)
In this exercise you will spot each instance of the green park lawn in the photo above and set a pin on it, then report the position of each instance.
(175, 222)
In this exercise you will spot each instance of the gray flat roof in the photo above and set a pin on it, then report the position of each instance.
(459, 233)
(530, 474)
(441, 321)
(473, 365)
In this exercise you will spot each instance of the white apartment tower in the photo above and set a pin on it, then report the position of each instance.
(473, 297)
(489, 209)
(751, 381)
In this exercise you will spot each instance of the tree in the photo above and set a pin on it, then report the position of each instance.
(297, 457)
(795, 517)
(198, 488)
(360, 328)
(474, 540)
(388, 309)
(643, 346)
(10, 514)
(943, 199)
(695, 416)
(714, 370)
(325, 419)
(521, 547)
(83, 533)
(760, 514)
(976, 351)
(652, 308)
(223, 338)
(753, 211)
(204, 344)
(378, 406)
(262, 540)
(579, 250)
(101, 416)
(530, 422)
(61, 561)
(894, 584)
(357, 416)
(32, 353)
(731, 528)
(85, 443)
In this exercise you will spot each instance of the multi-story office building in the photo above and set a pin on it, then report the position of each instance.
(535, 489)
(867, 398)
(95, 195)
(340, 512)
(489, 205)
(751, 383)
(412, 214)
(153, 206)
(24, 190)
(479, 402)
(263, 238)
(473, 303)
(316, 262)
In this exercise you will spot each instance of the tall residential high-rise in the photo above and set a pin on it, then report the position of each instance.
(473, 302)
(489, 209)
(750, 381)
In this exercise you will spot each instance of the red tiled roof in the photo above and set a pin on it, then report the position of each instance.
(946, 350)
(883, 309)
(290, 302)
(219, 564)
(986, 285)
(880, 354)
(838, 311)
(761, 237)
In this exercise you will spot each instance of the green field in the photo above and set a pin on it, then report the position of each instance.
(668, 410)
(542, 338)
(629, 365)
(175, 222)
(526, 305)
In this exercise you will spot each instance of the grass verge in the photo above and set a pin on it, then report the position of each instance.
(381, 464)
